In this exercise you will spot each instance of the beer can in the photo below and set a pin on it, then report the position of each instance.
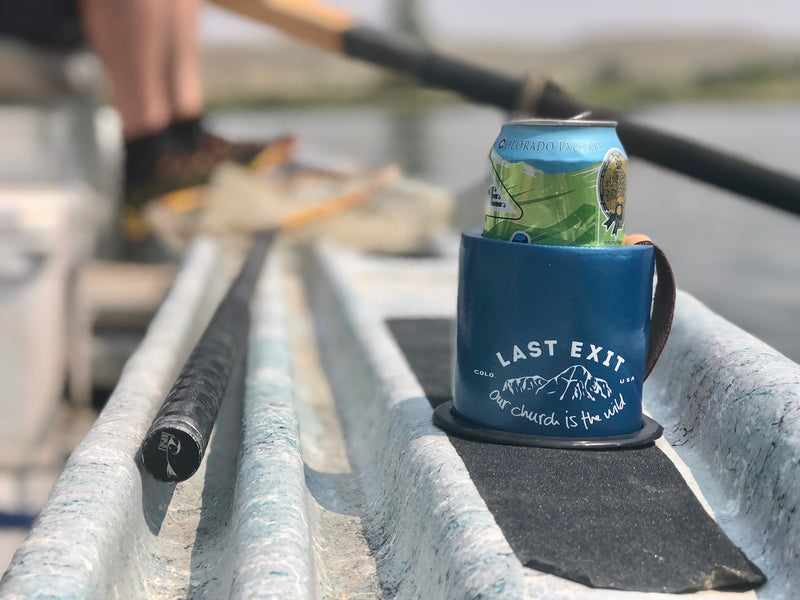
(557, 182)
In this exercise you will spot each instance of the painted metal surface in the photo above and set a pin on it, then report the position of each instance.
(326, 477)
(730, 406)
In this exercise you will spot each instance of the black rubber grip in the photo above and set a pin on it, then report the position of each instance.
(175, 444)
(407, 55)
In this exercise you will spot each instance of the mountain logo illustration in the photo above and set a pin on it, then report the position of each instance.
(574, 383)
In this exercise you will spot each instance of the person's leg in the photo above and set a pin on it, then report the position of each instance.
(131, 39)
(186, 93)
(130, 36)
(150, 51)
(184, 76)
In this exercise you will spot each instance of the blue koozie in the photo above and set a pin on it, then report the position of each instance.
(552, 342)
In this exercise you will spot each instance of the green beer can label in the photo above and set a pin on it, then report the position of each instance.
(558, 183)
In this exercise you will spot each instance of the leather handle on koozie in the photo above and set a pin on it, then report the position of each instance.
(663, 301)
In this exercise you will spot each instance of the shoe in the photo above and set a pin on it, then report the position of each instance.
(177, 173)
(180, 168)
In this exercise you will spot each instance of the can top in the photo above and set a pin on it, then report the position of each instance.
(573, 122)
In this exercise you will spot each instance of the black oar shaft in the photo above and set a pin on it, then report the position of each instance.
(679, 154)
(174, 445)
(407, 55)
(400, 53)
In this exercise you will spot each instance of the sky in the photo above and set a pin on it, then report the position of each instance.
(567, 22)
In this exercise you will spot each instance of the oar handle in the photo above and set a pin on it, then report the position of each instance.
(335, 30)
(176, 442)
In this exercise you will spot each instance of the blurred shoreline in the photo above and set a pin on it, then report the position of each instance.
(622, 73)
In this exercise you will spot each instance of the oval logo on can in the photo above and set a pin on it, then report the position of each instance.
(611, 186)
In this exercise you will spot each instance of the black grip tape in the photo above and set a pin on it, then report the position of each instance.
(175, 444)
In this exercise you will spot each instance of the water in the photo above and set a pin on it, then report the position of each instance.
(737, 256)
